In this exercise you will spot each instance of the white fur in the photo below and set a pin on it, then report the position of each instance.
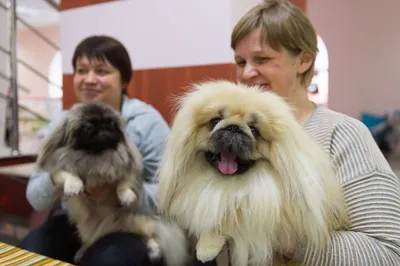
(72, 185)
(290, 194)
(126, 196)
(154, 249)
(173, 243)
(214, 208)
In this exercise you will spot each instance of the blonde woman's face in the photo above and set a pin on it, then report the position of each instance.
(259, 64)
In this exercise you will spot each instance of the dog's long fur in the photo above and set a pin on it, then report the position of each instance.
(290, 193)
(90, 148)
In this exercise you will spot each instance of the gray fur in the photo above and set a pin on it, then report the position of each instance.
(122, 165)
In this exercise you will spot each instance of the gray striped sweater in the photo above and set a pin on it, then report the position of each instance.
(372, 192)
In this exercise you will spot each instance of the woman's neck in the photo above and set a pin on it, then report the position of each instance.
(303, 107)
(117, 104)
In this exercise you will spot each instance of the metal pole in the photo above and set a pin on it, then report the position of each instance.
(14, 85)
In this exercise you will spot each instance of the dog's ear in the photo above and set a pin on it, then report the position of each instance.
(56, 139)
(177, 159)
(308, 179)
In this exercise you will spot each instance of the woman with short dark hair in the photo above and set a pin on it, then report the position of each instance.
(102, 72)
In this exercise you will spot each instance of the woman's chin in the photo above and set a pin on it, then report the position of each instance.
(91, 99)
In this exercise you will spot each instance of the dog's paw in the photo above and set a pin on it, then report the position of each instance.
(73, 186)
(154, 250)
(205, 254)
(209, 246)
(126, 197)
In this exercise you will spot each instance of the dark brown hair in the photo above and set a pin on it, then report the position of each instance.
(105, 48)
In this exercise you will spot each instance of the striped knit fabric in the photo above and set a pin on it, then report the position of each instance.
(12, 256)
(372, 192)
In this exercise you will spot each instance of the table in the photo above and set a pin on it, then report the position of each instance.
(23, 171)
(16, 214)
(13, 256)
(17, 159)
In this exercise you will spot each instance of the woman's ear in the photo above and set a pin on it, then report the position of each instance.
(306, 59)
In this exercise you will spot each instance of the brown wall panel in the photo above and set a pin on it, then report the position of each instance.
(300, 3)
(68, 98)
(69, 4)
(159, 86)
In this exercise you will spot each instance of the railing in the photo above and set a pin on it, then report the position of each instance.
(27, 109)
(14, 84)
(12, 99)
(30, 68)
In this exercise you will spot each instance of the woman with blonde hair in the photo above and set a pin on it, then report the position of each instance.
(275, 46)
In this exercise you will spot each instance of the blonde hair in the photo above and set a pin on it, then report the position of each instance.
(282, 25)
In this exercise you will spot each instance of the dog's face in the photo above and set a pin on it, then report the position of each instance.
(230, 137)
(94, 128)
(234, 127)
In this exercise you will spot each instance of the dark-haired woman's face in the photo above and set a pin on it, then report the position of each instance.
(97, 81)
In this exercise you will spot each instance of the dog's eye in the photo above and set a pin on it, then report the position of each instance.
(254, 131)
(213, 122)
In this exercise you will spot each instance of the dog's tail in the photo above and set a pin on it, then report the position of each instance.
(174, 244)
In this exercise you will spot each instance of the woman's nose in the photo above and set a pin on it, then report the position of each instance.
(90, 77)
(249, 72)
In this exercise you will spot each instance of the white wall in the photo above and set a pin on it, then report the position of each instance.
(157, 33)
(363, 40)
(240, 7)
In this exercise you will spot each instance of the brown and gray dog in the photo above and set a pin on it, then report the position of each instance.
(89, 148)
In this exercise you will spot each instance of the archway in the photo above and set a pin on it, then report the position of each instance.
(55, 94)
(319, 87)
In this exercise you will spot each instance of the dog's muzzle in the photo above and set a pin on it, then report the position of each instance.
(230, 150)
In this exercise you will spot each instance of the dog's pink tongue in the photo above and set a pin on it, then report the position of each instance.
(227, 164)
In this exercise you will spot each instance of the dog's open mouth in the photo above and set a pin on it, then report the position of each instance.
(228, 162)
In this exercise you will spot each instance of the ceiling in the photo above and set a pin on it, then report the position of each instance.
(37, 13)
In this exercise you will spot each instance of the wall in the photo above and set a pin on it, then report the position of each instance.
(38, 54)
(169, 49)
(239, 8)
(363, 42)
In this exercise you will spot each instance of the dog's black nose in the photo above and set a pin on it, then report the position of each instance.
(233, 129)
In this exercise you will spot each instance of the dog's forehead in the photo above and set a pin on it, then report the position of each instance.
(94, 110)
(245, 108)
(243, 113)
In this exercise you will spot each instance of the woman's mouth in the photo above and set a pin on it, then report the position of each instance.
(90, 94)
(264, 87)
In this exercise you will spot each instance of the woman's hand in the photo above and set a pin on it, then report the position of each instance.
(105, 194)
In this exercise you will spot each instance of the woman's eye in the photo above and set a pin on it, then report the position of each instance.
(254, 131)
(261, 60)
(102, 72)
(240, 63)
(81, 71)
(213, 122)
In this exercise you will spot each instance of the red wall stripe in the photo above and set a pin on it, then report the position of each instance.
(69, 4)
